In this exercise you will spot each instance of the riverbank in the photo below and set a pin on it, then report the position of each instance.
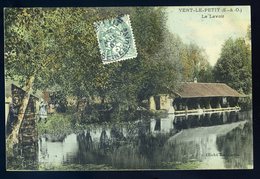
(74, 167)
(92, 167)
(56, 124)
(143, 144)
(63, 124)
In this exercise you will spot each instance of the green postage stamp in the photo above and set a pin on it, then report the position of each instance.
(115, 39)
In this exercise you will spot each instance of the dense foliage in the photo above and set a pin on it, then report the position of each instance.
(195, 63)
(234, 65)
(58, 47)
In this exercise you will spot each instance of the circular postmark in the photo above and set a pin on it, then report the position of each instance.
(114, 38)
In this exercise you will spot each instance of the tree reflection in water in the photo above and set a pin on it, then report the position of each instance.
(209, 119)
(117, 137)
(236, 147)
(148, 144)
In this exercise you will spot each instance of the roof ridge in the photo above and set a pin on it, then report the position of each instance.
(192, 89)
(204, 83)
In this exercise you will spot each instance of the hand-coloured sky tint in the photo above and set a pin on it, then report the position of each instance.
(209, 33)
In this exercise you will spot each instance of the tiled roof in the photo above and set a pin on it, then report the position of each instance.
(193, 90)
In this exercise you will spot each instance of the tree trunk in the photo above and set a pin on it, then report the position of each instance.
(12, 138)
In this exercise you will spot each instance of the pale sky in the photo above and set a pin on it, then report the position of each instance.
(209, 33)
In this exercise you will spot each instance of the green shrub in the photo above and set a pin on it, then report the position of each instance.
(245, 103)
(56, 124)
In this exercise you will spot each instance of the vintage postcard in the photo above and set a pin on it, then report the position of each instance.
(128, 88)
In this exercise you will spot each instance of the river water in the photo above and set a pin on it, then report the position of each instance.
(210, 141)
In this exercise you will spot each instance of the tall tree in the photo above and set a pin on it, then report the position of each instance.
(206, 74)
(36, 47)
(194, 63)
(57, 46)
(128, 82)
(234, 65)
(28, 51)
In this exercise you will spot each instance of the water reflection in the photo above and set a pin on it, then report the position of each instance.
(57, 152)
(236, 147)
(222, 140)
(163, 125)
(202, 145)
(209, 119)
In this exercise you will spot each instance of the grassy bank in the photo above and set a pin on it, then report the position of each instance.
(74, 167)
(181, 166)
(56, 124)
(94, 167)
(66, 123)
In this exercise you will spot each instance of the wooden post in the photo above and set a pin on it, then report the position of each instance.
(186, 106)
(198, 103)
(218, 103)
(228, 101)
(236, 101)
(208, 106)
